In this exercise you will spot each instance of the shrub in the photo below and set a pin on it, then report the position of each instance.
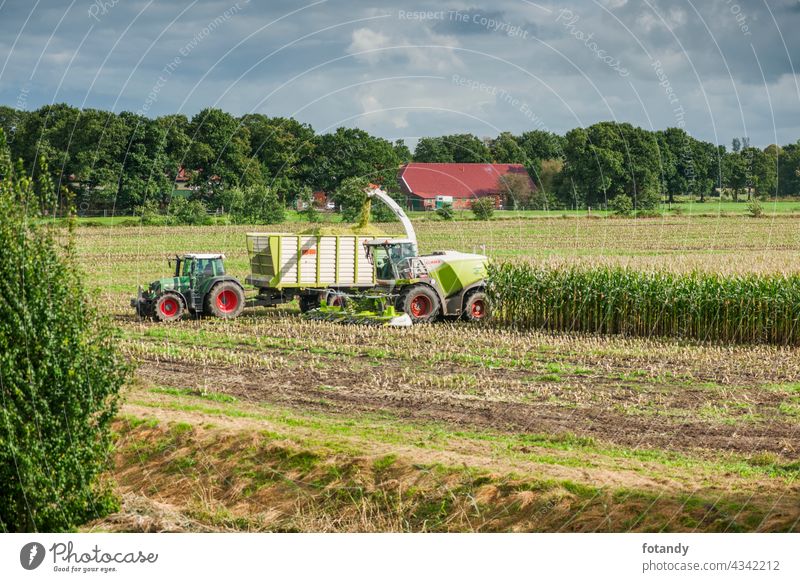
(621, 205)
(310, 212)
(61, 375)
(445, 211)
(193, 212)
(150, 213)
(483, 208)
(754, 208)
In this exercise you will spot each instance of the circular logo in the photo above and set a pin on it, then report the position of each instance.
(31, 555)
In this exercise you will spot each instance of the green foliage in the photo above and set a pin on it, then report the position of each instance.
(483, 208)
(309, 212)
(121, 160)
(191, 212)
(352, 153)
(445, 211)
(179, 212)
(432, 150)
(351, 197)
(150, 213)
(607, 159)
(60, 375)
(219, 151)
(518, 193)
(260, 205)
(285, 148)
(459, 148)
(754, 208)
(614, 300)
(506, 150)
(621, 205)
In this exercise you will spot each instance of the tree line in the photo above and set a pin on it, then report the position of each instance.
(255, 165)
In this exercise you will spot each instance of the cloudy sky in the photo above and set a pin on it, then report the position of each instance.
(400, 69)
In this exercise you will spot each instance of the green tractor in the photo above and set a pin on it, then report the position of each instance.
(199, 287)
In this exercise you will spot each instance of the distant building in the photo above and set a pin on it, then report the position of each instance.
(427, 186)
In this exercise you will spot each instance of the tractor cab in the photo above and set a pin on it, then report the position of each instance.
(196, 265)
(393, 258)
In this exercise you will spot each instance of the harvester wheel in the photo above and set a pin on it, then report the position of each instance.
(168, 308)
(476, 307)
(226, 300)
(420, 302)
(309, 302)
(337, 300)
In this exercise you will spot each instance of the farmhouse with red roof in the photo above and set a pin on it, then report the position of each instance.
(425, 184)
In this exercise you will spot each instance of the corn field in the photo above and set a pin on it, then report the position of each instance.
(741, 308)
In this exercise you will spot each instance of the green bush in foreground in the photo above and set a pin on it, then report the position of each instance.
(752, 308)
(59, 375)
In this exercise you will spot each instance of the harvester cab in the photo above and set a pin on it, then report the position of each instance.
(199, 285)
(392, 258)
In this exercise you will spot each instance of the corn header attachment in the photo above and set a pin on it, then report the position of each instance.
(364, 309)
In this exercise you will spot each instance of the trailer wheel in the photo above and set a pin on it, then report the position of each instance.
(420, 302)
(309, 302)
(225, 300)
(168, 308)
(476, 307)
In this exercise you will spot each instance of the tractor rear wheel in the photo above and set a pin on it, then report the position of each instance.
(168, 308)
(420, 302)
(226, 300)
(476, 307)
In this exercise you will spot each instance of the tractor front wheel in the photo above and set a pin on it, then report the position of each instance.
(476, 307)
(168, 308)
(225, 300)
(420, 302)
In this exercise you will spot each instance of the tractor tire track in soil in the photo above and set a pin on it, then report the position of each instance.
(373, 392)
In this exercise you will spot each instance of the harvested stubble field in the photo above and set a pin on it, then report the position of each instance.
(269, 422)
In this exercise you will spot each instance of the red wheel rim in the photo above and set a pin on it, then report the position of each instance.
(420, 306)
(478, 309)
(169, 307)
(227, 301)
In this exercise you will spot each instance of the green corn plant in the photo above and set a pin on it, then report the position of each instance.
(740, 308)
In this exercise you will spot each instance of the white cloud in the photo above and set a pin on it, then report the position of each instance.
(366, 44)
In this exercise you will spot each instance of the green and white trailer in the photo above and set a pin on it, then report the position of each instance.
(284, 265)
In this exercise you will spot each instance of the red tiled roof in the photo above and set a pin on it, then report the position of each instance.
(456, 180)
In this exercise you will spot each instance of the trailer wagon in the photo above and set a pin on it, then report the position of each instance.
(284, 265)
